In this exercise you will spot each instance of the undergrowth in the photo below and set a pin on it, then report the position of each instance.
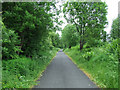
(100, 62)
(22, 72)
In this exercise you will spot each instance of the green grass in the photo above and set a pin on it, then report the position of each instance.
(22, 72)
(100, 62)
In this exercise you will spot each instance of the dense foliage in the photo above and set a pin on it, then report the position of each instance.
(92, 52)
(27, 28)
(101, 63)
(115, 28)
(22, 72)
(9, 41)
(29, 41)
(89, 19)
(69, 36)
(55, 38)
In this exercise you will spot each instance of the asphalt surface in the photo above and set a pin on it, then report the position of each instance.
(63, 73)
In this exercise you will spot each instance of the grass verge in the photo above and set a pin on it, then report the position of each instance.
(23, 72)
(40, 74)
(83, 70)
(99, 64)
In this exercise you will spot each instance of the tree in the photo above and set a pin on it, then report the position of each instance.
(115, 29)
(55, 39)
(89, 18)
(9, 43)
(115, 34)
(69, 36)
(31, 21)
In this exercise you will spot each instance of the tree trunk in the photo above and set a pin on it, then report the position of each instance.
(81, 37)
(69, 46)
(81, 45)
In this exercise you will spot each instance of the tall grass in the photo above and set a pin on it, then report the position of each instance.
(100, 62)
(22, 72)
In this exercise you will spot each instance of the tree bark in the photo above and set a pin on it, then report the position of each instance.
(81, 38)
(69, 46)
(81, 45)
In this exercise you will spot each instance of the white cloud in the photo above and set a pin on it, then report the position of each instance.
(112, 12)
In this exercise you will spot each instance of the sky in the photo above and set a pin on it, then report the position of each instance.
(112, 14)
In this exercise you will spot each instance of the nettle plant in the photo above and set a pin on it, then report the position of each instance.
(88, 55)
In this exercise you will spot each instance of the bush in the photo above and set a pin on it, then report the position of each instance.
(112, 47)
(9, 41)
(88, 55)
(22, 72)
(100, 62)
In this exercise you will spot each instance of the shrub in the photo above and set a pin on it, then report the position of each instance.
(88, 55)
(100, 62)
(9, 42)
(21, 72)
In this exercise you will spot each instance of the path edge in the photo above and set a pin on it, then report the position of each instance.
(84, 71)
(41, 73)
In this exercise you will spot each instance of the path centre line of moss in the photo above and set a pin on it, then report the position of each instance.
(83, 70)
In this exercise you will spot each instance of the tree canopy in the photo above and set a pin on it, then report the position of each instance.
(88, 17)
(115, 28)
(26, 27)
(69, 36)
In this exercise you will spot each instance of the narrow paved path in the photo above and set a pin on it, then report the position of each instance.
(63, 73)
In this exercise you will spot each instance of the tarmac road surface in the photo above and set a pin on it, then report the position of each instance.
(63, 73)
